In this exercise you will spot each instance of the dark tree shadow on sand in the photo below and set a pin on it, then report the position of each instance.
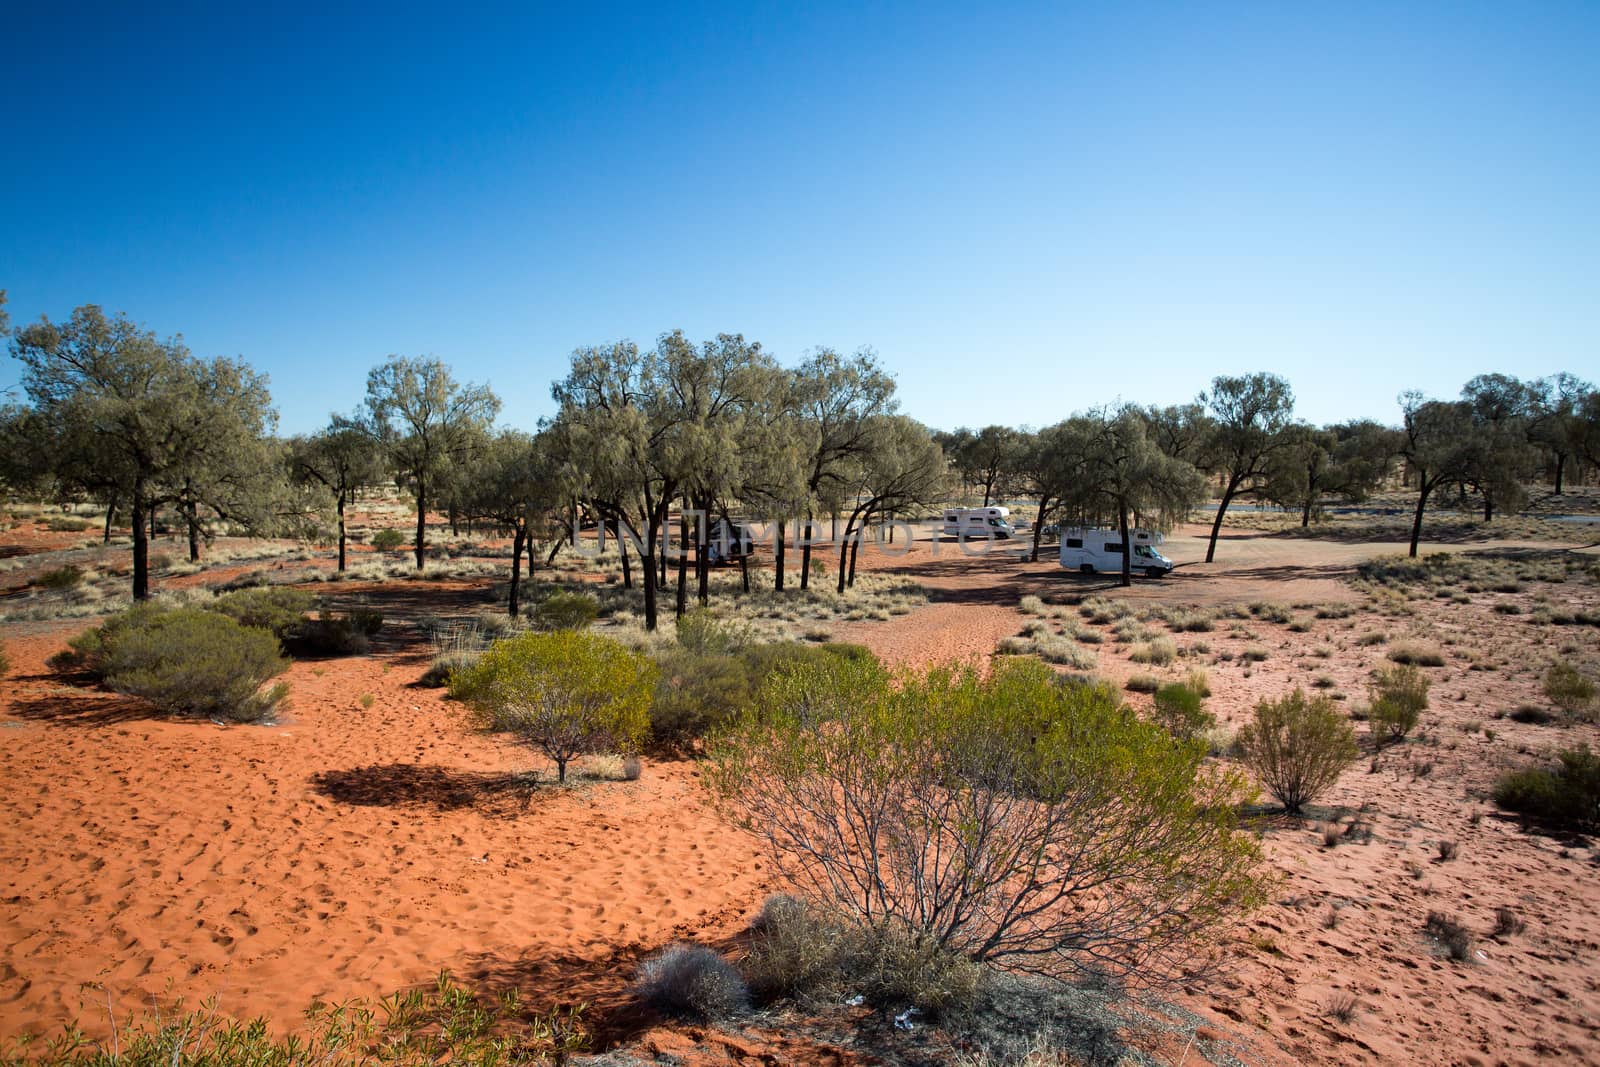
(411, 785)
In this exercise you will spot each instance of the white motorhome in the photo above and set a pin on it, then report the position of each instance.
(969, 523)
(1091, 549)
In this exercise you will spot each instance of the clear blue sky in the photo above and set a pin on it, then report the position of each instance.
(1025, 211)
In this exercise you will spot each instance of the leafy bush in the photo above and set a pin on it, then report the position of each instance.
(387, 539)
(1565, 795)
(65, 577)
(1298, 747)
(692, 981)
(1399, 696)
(702, 633)
(947, 814)
(1180, 708)
(1569, 689)
(566, 611)
(279, 608)
(447, 1023)
(187, 661)
(567, 693)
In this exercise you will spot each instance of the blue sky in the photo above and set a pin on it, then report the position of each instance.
(1025, 210)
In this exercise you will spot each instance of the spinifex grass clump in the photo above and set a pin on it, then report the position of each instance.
(1015, 819)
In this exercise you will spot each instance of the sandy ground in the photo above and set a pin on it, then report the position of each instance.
(353, 850)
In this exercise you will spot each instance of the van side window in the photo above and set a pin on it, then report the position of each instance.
(1074, 542)
(1117, 548)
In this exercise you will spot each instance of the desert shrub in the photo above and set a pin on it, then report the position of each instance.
(1530, 714)
(1454, 938)
(566, 611)
(387, 539)
(338, 635)
(5, 662)
(1416, 654)
(67, 525)
(692, 981)
(1399, 696)
(940, 807)
(567, 693)
(1159, 652)
(1255, 654)
(1181, 710)
(65, 577)
(1298, 747)
(188, 662)
(1507, 923)
(696, 693)
(1142, 683)
(417, 1027)
(702, 633)
(1564, 795)
(794, 950)
(279, 608)
(1569, 689)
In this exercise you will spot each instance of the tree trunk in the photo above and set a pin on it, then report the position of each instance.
(805, 555)
(622, 548)
(517, 539)
(153, 510)
(744, 570)
(1305, 514)
(1416, 523)
(855, 550)
(422, 522)
(682, 603)
(455, 529)
(340, 507)
(1488, 508)
(141, 545)
(777, 555)
(1216, 525)
(111, 513)
(647, 571)
(856, 517)
(1038, 527)
(702, 564)
(1561, 466)
(191, 518)
(1127, 549)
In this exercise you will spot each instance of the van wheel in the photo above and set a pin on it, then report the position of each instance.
(1086, 568)
(1154, 572)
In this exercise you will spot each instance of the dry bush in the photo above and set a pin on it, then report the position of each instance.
(1160, 652)
(1341, 1008)
(1448, 850)
(65, 577)
(693, 982)
(969, 816)
(1507, 923)
(1569, 689)
(1399, 696)
(1142, 683)
(1455, 939)
(1564, 795)
(1416, 654)
(1298, 747)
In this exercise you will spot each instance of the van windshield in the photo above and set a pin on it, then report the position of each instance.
(1142, 550)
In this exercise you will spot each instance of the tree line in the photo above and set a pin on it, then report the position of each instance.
(693, 434)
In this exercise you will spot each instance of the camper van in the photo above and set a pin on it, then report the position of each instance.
(1094, 549)
(971, 523)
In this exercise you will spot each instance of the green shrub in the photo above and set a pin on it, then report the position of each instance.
(693, 982)
(1399, 697)
(279, 608)
(703, 634)
(566, 611)
(1298, 747)
(65, 577)
(1565, 795)
(929, 811)
(567, 693)
(1180, 708)
(188, 662)
(1569, 689)
(387, 539)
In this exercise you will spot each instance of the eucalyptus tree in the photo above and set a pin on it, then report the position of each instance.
(122, 411)
(1045, 467)
(988, 459)
(1439, 444)
(903, 467)
(1503, 456)
(340, 459)
(845, 400)
(1118, 470)
(775, 451)
(1248, 416)
(1182, 431)
(424, 422)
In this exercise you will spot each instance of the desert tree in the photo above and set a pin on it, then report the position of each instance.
(1556, 423)
(340, 459)
(997, 815)
(1045, 468)
(902, 467)
(1347, 461)
(843, 399)
(425, 422)
(775, 451)
(142, 418)
(1503, 456)
(1438, 442)
(517, 485)
(1180, 430)
(1248, 416)
(988, 459)
(1118, 471)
